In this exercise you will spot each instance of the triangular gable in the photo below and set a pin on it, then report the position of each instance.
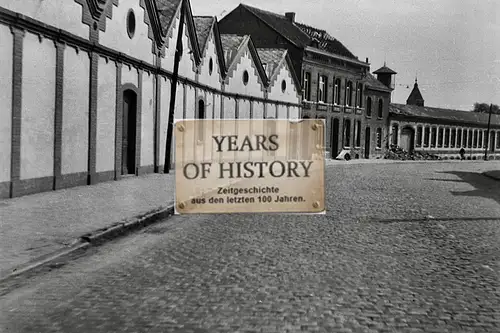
(169, 11)
(206, 28)
(234, 48)
(275, 60)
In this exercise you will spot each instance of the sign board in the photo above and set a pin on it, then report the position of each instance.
(249, 166)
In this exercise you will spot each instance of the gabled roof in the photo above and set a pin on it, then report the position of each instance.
(271, 59)
(203, 25)
(167, 10)
(326, 42)
(234, 46)
(373, 83)
(231, 44)
(443, 114)
(281, 25)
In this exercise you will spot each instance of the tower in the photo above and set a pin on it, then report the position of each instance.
(384, 75)
(415, 97)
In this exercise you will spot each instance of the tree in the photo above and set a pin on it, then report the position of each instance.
(485, 108)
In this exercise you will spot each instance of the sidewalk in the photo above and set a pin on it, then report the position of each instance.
(40, 224)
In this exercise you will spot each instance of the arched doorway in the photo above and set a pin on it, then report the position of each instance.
(334, 150)
(367, 142)
(201, 109)
(407, 139)
(129, 124)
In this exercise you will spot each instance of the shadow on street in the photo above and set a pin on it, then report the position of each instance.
(485, 186)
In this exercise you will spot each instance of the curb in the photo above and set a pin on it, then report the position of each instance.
(85, 242)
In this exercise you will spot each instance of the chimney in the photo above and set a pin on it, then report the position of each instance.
(366, 59)
(290, 16)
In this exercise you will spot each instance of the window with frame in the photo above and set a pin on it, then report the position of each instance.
(427, 135)
(498, 140)
(459, 137)
(379, 138)
(347, 132)
(348, 94)
(419, 136)
(380, 108)
(470, 144)
(480, 143)
(474, 140)
(465, 135)
(322, 84)
(336, 92)
(369, 107)
(359, 95)
(357, 133)
(447, 137)
(453, 137)
(307, 86)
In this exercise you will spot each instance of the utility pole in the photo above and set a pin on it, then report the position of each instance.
(488, 135)
(173, 92)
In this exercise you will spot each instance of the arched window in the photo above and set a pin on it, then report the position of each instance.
(369, 107)
(359, 95)
(419, 136)
(380, 108)
(201, 115)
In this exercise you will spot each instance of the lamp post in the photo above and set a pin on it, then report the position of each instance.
(173, 93)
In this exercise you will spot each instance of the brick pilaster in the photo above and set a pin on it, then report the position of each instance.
(17, 91)
(118, 121)
(58, 114)
(94, 67)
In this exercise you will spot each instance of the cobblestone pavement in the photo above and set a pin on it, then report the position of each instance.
(403, 248)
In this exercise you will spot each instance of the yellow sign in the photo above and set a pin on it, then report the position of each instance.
(250, 166)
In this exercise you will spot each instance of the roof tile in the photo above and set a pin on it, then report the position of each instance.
(203, 25)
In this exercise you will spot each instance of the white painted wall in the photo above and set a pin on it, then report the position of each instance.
(213, 79)
(190, 102)
(130, 75)
(106, 116)
(243, 109)
(271, 111)
(235, 81)
(116, 36)
(209, 105)
(294, 112)
(62, 14)
(290, 93)
(38, 102)
(179, 102)
(229, 108)
(75, 119)
(217, 107)
(258, 110)
(164, 108)
(6, 49)
(147, 120)
(282, 111)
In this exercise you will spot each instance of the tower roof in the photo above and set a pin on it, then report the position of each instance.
(415, 97)
(384, 70)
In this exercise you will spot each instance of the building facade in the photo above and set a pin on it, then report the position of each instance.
(443, 132)
(85, 86)
(336, 86)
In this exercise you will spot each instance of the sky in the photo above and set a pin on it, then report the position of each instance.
(451, 46)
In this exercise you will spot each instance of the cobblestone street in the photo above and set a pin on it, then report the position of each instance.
(404, 247)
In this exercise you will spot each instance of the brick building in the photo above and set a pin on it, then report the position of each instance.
(85, 87)
(443, 132)
(336, 85)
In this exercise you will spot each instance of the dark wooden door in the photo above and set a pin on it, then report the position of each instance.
(367, 142)
(334, 138)
(129, 132)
